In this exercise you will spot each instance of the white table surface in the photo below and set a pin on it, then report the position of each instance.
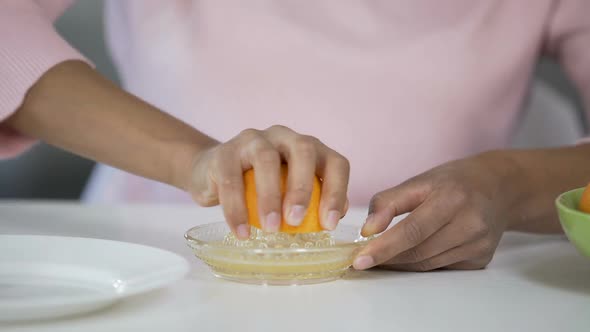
(535, 283)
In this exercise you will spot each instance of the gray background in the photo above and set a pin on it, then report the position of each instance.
(552, 117)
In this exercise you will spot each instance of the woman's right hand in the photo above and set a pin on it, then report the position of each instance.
(217, 178)
(118, 129)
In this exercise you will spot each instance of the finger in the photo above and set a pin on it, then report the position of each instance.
(300, 155)
(335, 172)
(470, 256)
(302, 159)
(466, 227)
(266, 161)
(428, 218)
(228, 178)
(386, 205)
(281, 137)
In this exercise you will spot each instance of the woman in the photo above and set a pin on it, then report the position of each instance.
(397, 88)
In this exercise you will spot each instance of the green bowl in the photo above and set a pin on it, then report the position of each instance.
(575, 223)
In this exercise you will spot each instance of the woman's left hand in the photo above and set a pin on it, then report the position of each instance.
(457, 218)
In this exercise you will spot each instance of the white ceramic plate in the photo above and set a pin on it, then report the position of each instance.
(51, 276)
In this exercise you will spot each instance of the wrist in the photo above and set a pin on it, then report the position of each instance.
(184, 161)
(530, 180)
(509, 183)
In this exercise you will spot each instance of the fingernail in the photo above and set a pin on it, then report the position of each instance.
(243, 231)
(296, 215)
(331, 220)
(272, 222)
(363, 262)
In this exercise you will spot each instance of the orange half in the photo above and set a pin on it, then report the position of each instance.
(311, 221)
(584, 205)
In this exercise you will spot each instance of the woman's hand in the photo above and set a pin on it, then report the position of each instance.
(75, 108)
(458, 214)
(217, 177)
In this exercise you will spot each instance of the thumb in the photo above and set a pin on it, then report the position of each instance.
(386, 205)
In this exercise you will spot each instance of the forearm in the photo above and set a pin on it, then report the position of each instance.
(531, 181)
(75, 108)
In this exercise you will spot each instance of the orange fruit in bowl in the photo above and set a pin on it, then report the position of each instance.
(311, 221)
(584, 204)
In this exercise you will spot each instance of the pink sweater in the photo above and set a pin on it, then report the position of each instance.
(396, 86)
